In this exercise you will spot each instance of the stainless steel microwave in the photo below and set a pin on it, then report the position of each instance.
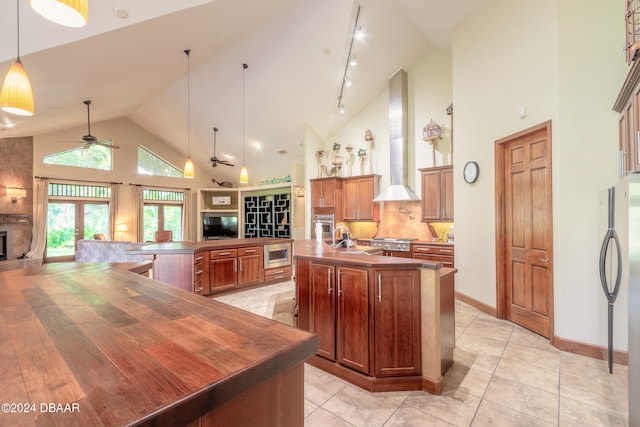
(277, 255)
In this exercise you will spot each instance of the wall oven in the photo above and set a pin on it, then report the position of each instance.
(327, 222)
(277, 255)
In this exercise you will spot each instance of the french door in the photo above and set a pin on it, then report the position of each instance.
(71, 220)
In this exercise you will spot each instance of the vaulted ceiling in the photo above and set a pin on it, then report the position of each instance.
(295, 49)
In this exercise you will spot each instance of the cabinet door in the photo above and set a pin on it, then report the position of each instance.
(323, 308)
(223, 273)
(431, 195)
(397, 322)
(350, 204)
(329, 193)
(353, 319)
(316, 193)
(446, 179)
(250, 269)
(366, 192)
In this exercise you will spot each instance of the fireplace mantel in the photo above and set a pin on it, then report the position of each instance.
(15, 218)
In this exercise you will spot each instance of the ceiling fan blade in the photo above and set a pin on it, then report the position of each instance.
(226, 163)
(106, 143)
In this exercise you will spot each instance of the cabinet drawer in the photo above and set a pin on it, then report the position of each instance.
(446, 260)
(277, 273)
(223, 253)
(252, 250)
(198, 288)
(432, 249)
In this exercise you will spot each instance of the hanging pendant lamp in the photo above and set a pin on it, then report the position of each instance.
(244, 175)
(16, 96)
(188, 165)
(70, 13)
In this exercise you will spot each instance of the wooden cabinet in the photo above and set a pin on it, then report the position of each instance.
(201, 283)
(437, 193)
(362, 316)
(250, 265)
(223, 269)
(277, 273)
(399, 254)
(434, 252)
(628, 105)
(397, 322)
(359, 192)
(326, 196)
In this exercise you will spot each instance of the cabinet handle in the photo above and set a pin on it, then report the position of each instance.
(199, 272)
(379, 288)
(329, 281)
(235, 265)
(339, 287)
(199, 258)
(446, 251)
(198, 290)
(240, 264)
(250, 251)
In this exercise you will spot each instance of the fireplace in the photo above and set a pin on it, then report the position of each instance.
(3, 245)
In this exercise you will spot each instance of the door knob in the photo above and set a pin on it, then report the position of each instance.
(544, 259)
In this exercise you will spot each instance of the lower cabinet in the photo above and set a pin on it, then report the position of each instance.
(434, 252)
(366, 320)
(223, 269)
(250, 265)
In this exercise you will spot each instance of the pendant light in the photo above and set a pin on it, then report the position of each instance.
(16, 96)
(188, 165)
(70, 13)
(244, 175)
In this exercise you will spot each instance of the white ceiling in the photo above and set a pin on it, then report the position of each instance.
(296, 52)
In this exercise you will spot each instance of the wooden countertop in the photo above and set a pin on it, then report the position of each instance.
(122, 349)
(194, 247)
(310, 249)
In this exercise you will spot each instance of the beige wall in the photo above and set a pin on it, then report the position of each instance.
(128, 136)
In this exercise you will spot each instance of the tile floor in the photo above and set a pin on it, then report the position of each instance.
(503, 375)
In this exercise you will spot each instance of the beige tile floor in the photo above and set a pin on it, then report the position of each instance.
(503, 375)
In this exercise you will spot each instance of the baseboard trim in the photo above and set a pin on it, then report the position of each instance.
(570, 346)
(485, 308)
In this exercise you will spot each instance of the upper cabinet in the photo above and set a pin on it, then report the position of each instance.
(628, 105)
(359, 192)
(437, 193)
(326, 196)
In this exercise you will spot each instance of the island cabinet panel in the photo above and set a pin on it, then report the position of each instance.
(353, 318)
(323, 308)
(303, 302)
(397, 322)
(359, 193)
(223, 269)
(176, 269)
(201, 285)
(250, 265)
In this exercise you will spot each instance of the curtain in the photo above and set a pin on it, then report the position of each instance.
(186, 216)
(113, 210)
(40, 205)
(138, 214)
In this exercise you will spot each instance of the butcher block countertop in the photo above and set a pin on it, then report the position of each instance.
(194, 247)
(96, 344)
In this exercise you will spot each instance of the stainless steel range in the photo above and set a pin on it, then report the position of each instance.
(393, 244)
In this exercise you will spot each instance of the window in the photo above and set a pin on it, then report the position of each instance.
(162, 211)
(92, 157)
(74, 212)
(151, 164)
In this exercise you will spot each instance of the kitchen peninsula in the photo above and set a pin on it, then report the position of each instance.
(99, 344)
(383, 323)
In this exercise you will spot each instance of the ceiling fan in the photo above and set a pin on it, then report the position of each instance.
(89, 140)
(214, 160)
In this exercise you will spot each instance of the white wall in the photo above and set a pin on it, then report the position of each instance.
(128, 136)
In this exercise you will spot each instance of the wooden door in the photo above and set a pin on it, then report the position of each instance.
(223, 274)
(446, 196)
(430, 195)
(524, 258)
(397, 322)
(353, 319)
(350, 205)
(323, 309)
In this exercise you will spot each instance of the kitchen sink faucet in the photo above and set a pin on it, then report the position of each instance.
(346, 239)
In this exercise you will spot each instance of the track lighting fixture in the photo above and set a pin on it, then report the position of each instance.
(357, 34)
(244, 174)
(189, 171)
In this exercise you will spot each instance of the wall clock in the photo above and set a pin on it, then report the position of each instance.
(471, 172)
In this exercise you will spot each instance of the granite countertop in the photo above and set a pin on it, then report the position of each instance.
(122, 349)
(194, 247)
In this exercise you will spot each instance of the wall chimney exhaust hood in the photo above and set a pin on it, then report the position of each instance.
(398, 189)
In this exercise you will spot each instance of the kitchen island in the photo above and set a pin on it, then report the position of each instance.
(384, 323)
(99, 344)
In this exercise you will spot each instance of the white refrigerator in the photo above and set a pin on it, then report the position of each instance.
(620, 272)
